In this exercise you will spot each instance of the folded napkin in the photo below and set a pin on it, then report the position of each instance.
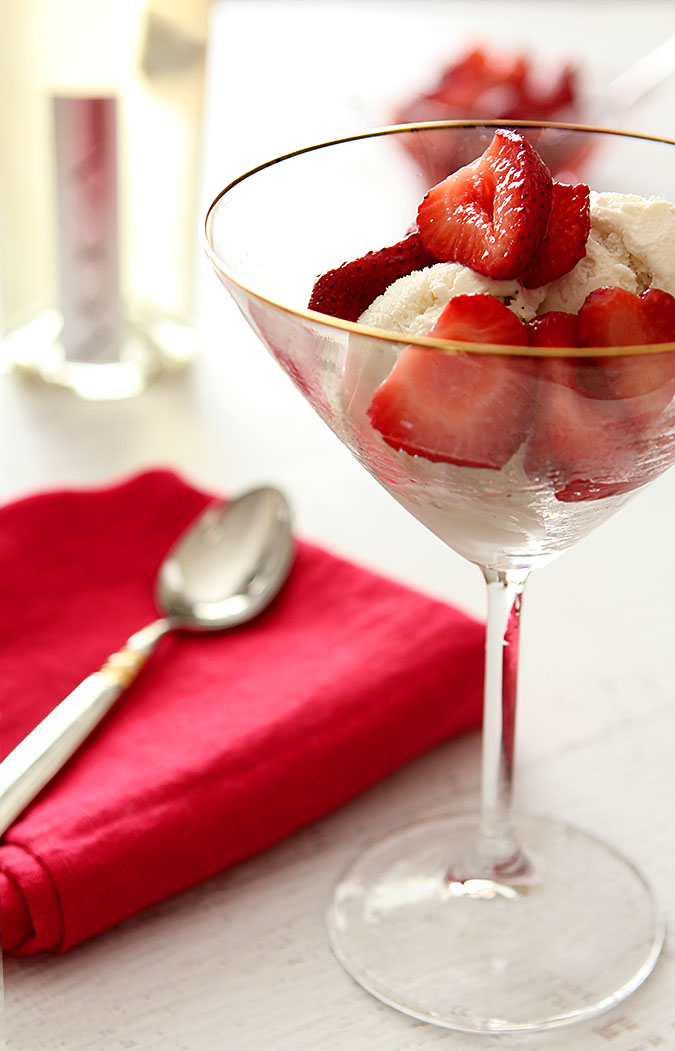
(225, 743)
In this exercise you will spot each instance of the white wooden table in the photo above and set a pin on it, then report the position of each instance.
(242, 962)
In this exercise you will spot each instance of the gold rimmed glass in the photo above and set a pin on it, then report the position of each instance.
(492, 921)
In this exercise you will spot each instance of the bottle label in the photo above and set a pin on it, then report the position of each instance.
(88, 227)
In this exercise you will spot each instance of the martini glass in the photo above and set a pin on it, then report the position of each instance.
(490, 921)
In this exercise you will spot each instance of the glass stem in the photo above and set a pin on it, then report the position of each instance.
(498, 847)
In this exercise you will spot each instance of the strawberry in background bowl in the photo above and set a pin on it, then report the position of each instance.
(486, 83)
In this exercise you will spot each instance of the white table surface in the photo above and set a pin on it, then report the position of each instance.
(242, 962)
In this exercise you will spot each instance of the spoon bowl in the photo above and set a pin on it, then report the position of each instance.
(230, 563)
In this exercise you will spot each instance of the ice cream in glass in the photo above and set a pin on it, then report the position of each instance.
(498, 351)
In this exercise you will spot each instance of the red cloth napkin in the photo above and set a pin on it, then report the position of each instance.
(225, 743)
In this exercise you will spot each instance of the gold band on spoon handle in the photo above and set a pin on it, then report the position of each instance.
(33, 763)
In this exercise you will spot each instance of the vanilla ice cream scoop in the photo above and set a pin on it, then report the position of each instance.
(413, 303)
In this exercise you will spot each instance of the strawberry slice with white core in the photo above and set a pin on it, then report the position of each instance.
(492, 214)
(467, 409)
(567, 231)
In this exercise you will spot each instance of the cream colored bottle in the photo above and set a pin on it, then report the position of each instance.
(101, 106)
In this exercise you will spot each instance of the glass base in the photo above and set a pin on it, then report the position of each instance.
(569, 940)
(152, 345)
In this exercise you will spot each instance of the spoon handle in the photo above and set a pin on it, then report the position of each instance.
(47, 748)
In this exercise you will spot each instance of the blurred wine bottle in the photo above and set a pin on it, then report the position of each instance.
(101, 106)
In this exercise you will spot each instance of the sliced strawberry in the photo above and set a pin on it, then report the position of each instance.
(580, 446)
(605, 425)
(468, 409)
(464, 80)
(492, 214)
(564, 243)
(613, 317)
(555, 329)
(504, 84)
(346, 291)
(480, 318)
(483, 82)
(499, 85)
(602, 448)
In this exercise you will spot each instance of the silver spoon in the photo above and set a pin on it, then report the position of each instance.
(223, 571)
